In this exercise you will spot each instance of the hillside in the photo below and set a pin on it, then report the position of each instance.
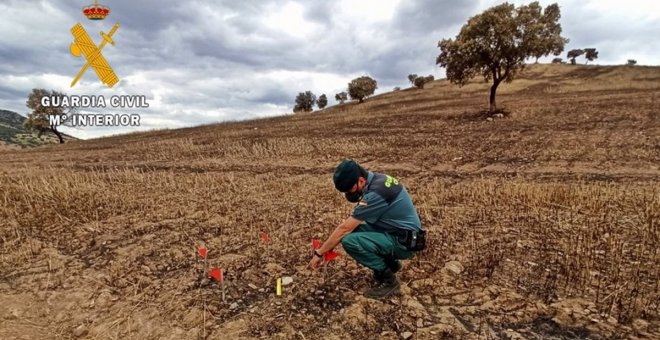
(13, 134)
(543, 224)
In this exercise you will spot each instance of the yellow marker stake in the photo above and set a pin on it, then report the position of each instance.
(279, 286)
(222, 282)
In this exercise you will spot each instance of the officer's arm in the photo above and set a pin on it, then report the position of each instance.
(342, 230)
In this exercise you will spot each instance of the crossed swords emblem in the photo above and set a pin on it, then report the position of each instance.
(84, 45)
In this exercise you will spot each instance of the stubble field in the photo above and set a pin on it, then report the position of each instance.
(543, 224)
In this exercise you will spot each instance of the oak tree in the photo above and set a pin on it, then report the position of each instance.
(574, 53)
(304, 102)
(322, 102)
(496, 43)
(411, 78)
(590, 54)
(362, 87)
(341, 97)
(38, 119)
(421, 81)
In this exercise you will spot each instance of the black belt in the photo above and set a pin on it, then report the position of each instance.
(412, 240)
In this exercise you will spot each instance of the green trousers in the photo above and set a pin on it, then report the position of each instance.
(370, 248)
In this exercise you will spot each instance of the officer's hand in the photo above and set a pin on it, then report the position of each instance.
(315, 262)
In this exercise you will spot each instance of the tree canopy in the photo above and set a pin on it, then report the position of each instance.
(38, 118)
(304, 102)
(341, 97)
(590, 54)
(421, 81)
(574, 53)
(411, 78)
(496, 43)
(322, 102)
(362, 87)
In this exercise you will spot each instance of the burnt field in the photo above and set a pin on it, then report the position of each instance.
(543, 223)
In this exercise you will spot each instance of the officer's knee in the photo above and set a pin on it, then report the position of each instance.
(349, 242)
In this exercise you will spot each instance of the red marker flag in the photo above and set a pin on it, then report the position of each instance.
(265, 237)
(331, 255)
(202, 252)
(216, 274)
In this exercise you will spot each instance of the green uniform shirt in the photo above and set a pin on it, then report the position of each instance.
(386, 205)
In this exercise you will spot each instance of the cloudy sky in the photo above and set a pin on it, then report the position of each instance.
(207, 61)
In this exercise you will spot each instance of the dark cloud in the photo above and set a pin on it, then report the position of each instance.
(423, 16)
(10, 93)
(320, 11)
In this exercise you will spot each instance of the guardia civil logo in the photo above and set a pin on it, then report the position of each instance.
(85, 46)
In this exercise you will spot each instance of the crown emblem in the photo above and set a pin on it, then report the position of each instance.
(96, 11)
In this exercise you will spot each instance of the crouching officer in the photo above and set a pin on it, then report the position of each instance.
(383, 228)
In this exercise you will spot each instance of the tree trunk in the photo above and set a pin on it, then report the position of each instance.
(58, 134)
(493, 88)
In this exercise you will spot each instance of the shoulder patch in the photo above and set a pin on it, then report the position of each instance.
(386, 187)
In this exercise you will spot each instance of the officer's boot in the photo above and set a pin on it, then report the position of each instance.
(393, 264)
(378, 278)
(387, 286)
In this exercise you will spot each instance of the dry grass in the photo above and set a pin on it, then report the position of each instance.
(557, 201)
(7, 147)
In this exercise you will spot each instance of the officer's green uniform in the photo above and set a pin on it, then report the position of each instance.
(385, 207)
